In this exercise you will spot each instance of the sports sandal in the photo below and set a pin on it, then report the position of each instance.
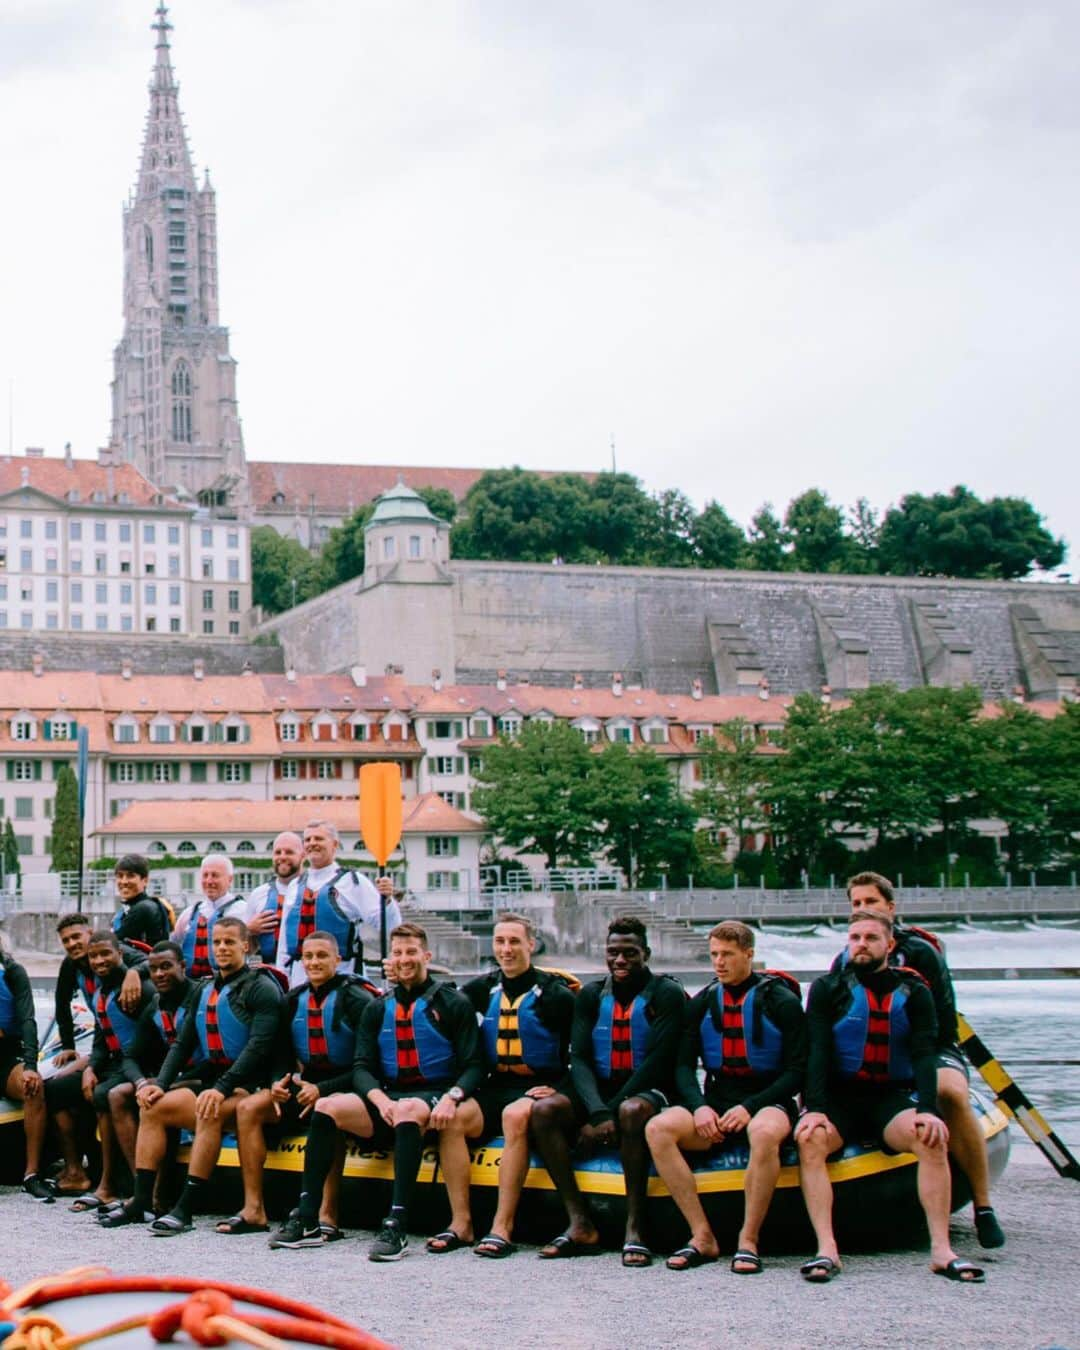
(238, 1225)
(749, 1260)
(494, 1247)
(565, 1246)
(820, 1270)
(688, 1258)
(636, 1256)
(963, 1272)
(448, 1241)
(170, 1226)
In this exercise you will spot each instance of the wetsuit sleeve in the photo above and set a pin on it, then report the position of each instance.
(135, 960)
(930, 964)
(924, 1044)
(265, 1002)
(143, 921)
(148, 1044)
(557, 1013)
(660, 1046)
(478, 992)
(182, 1049)
(21, 991)
(465, 1035)
(687, 1088)
(787, 1013)
(819, 1025)
(582, 1067)
(131, 1063)
(367, 1065)
(66, 985)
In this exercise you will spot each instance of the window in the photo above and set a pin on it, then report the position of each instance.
(174, 595)
(75, 560)
(196, 731)
(163, 771)
(125, 733)
(232, 772)
(234, 628)
(149, 564)
(26, 560)
(186, 846)
(101, 592)
(125, 593)
(101, 623)
(174, 625)
(99, 562)
(324, 768)
(150, 592)
(656, 735)
(234, 601)
(481, 726)
(75, 621)
(443, 765)
(232, 539)
(174, 535)
(125, 773)
(415, 550)
(25, 729)
(24, 808)
(290, 768)
(162, 733)
(289, 731)
(24, 770)
(233, 567)
(26, 620)
(388, 546)
(24, 845)
(245, 846)
(198, 771)
(444, 881)
(151, 624)
(699, 734)
(75, 530)
(125, 531)
(589, 734)
(181, 399)
(127, 623)
(50, 529)
(621, 735)
(26, 529)
(157, 847)
(100, 531)
(174, 564)
(509, 726)
(207, 537)
(445, 730)
(208, 569)
(442, 845)
(208, 627)
(234, 733)
(208, 599)
(453, 799)
(59, 729)
(361, 731)
(50, 560)
(149, 534)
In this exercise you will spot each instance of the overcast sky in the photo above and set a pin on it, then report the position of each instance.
(764, 245)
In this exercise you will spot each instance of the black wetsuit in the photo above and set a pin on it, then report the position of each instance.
(67, 986)
(597, 1097)
(113, 1067)
(142, 919)
(20, 1043)
(353, 1000)
(725, 1089)
(918, 954)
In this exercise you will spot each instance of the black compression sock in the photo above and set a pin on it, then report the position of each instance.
(408, 1150)
(318, 1160)
(188, 1196)
(143, 1198)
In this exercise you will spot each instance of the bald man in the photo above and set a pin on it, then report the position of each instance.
(267, 902)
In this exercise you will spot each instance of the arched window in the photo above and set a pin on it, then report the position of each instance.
(148, 248)
(245, 846)
(216, 846)
(157, 847)
(186, 846)
(181, 402)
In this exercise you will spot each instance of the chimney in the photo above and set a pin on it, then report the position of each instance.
(35, 452)
(500, 680)
(246, 668)
(125, 668)
(199, 669)
(697, 689)
(69, 462)
(37, 662)
(110, 482)
(290, 674)
(826, 695)
(436, 679)
(579, 680)
(359, 676)
(616, 683)
(25, 475)
(763, 687)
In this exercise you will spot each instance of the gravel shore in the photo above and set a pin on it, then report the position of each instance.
(1030, 1300)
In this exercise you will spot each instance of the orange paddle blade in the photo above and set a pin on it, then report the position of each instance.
(380, 809)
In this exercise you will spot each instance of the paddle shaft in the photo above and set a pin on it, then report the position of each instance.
(1015, 1102)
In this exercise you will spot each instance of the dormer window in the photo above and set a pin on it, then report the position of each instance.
(654, 731)
(23, 727)
(620, 732)
(324, 727)
(588, 729)
(162, 730)
(233, 730)
(480, 726)
(509, 724)
(125, 731)
(60, 728)
(196, 730)
(289, 729)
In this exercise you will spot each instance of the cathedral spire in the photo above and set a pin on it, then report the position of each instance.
(166, 161)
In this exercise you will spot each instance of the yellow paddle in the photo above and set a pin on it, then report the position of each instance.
(380, 821)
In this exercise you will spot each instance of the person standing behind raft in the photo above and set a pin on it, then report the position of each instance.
(141, 917)
(872, 1072)
(622, 1057)
(194, 929)
(267, 902)
(749, 1031)
(967, 1143)
(331, 899)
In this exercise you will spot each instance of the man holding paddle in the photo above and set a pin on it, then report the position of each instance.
(333, 899)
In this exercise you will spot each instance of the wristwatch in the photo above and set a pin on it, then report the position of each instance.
(456, 1095)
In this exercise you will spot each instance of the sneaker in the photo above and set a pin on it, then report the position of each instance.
(293, 1234)
(390, 1244)
(40, 1190)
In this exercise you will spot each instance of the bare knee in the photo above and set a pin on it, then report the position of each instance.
(634, 1116)
(516, 1117)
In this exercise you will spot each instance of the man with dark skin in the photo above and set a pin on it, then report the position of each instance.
(622, 1055)
(75, 979)
(526, 1015)
(324, 1017)
(19, 1077)
(967, 1144)
(140, 917)
(230, 1032)
(872, 1073)
(749, 1031)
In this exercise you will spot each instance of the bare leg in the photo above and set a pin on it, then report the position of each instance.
(553, 1128)
(34, 1117)
(252, 1113)
(814, 1150)
(106, 1187)
(634, 1116)
(513, 1165)
(966, 1141)
(935, 1183)
(767, 1131)
(454, 1160)
(124, 1121)
(667, 1135)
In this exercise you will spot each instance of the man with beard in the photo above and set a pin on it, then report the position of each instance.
(266, 902)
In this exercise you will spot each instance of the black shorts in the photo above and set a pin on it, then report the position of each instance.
(656, 1099)
(113, 1078)
(382, 1136)
(64, 1092)
(289, 1122)
(721, 1102)
(952, 1057)
(493, 1099)
(11, 1053)
(861, 1114)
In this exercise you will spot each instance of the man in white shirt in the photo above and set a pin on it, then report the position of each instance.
(329, 898)
(266, 903)
(194, 928)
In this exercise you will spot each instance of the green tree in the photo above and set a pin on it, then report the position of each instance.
(534, 794)
(800, 788)
(644, 824)
(674, 542)
(342, 557)
(517, 516)
(864, 531)
(815, 528)
(65, 826)
(276, 562)
(9, 851)
(440, 502)
(955, 534)
(734, 775)
(767, 542)
(622, 521)
(717, 540)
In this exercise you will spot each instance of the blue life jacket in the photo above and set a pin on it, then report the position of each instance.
(639, 1029)
(760, 1034)
(188, 944)
(177, 1020)
(340, 1037)
(123, 1025)
(234, 1033)
(329, 918)
(9, 1018)
(434, 1051)
(851, 1031)
(88, 985)
(268, 942)
(540, 1046)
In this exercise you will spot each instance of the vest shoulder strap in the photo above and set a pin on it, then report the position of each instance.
(927, 936)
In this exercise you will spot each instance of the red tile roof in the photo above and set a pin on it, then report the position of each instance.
(56, 478)
(344, 488)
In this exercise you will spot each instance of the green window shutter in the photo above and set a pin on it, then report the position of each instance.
(459, 763)
(140, 773)
(37, 770)
(112, 773)
(47, 730)
(198, 771)
(247, 773)
(10, 770)
(174, 772)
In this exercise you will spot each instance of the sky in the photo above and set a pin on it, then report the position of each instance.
(760, 247)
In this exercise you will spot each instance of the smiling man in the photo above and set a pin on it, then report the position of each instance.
(622, 1055)
(141, 917)
(872, 1073)
(194, 929)
(266, 903)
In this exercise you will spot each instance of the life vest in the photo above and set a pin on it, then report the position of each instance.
(169, 1023)
(88, 985)
(741, 1038)
(323, 914)
(412, 1049)
(167, 911)
(620, 1033)
(268, 942)
(198, 968)
(320, 1035)
(225, 1047)
(872, 1038)
(924, 933)
(9, 1017)
(116, 1026)
(515, 1039)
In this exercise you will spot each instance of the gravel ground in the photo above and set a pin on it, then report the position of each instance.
(1030, 1300)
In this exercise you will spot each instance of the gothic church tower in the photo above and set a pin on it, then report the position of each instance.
(174, 410)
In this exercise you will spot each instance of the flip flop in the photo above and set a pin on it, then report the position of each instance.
(170, 1226)
(963, 1272)
(689, 1257)
(750, 1259)
(330, 1232)
(120, 1218)
(564, 1246)
(636, 1249)
(820, 1270)
(498, 1247)
(450, 1241)
(238, 1225)
(87, 1203)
